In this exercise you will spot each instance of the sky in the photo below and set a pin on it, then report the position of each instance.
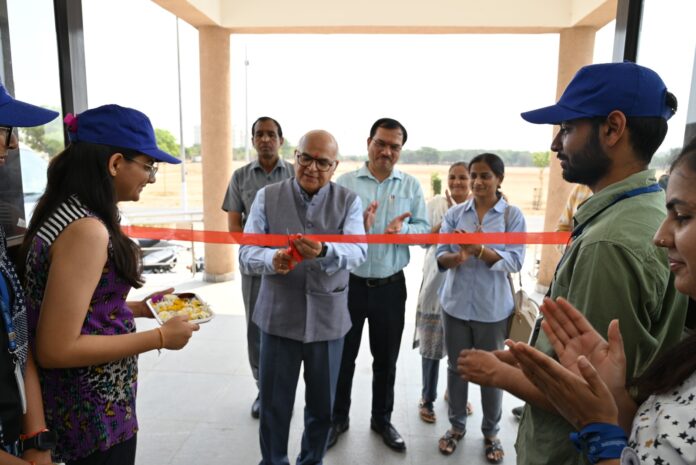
(450, 91)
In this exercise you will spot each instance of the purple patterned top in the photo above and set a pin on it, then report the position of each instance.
(91, 408)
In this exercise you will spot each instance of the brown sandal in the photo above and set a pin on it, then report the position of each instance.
(448, 443)
(493, 450)
(426, 412)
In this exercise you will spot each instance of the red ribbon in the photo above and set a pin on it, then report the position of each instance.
(281, 240)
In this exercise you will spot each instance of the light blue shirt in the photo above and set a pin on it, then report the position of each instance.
(399, 193)
(339, 256)
(473, 290)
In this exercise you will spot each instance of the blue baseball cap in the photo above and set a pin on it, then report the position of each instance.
(597, 90)
(117, 126)
(20, 114)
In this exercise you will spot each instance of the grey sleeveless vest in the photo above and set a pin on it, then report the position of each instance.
(307, 304)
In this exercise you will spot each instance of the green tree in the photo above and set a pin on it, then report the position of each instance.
(436, 183)
(42, 140)
(541, 160)
(167, 142)
(193, 151)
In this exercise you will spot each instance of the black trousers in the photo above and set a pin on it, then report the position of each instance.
(383, 306)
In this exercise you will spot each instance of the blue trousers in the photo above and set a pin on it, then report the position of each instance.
(279, 371)
(431, 371)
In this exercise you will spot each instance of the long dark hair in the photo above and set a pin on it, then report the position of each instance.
(668, 370)
(82, 169)
(671, 368)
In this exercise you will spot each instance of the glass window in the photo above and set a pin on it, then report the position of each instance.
(131, 60)
(34, 69)
(667, 44)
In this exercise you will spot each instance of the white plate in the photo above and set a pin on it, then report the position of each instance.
(182, 295)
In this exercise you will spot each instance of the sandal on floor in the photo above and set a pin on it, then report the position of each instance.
(469, 409)
(448, 443)
(494, 450)
(426, 412)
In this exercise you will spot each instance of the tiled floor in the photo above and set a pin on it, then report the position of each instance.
(193, 405)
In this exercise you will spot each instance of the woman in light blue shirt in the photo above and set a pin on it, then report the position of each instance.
(476, 296)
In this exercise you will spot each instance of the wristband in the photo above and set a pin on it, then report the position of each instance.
(22, 437)
(481, 252)
(600, 441)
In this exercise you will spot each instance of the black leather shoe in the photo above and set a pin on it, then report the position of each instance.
(389, 434)
(336, 430)
(255, 407)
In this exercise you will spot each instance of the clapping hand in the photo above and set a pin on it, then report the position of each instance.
(450, 200)
(369, 215)
(467, 250)
(580, 398)
(395, 225)
(572, 336)
(480, 366)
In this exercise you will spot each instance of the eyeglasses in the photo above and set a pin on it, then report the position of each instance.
(151, 169)
(382, 145)
(306, 160)
(6, 134)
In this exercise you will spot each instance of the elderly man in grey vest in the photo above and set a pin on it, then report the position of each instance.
(302, 307)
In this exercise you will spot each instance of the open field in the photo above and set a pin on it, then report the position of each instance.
(519, 185)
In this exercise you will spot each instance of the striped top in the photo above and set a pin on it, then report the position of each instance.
(91, 408)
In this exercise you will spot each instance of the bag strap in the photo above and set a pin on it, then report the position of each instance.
(519, 275)
(512, 289)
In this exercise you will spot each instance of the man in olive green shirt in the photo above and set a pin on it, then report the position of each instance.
(612, 119)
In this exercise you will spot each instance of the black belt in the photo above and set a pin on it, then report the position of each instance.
(377, 282)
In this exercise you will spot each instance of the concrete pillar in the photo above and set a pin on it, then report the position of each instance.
(575, 51)
(216, 144)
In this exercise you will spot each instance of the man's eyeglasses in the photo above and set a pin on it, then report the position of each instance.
(383, 145)
(6, 134)
(305, 160)
(151, 169)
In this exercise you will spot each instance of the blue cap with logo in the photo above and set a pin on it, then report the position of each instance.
(597, 90)
(117, 126)
(20, 114)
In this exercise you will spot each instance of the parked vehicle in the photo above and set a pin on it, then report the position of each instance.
(159, 256)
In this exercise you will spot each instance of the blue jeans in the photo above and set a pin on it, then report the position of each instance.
(431, 368)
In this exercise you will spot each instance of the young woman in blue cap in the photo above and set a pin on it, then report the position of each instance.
(22, 427)
(79, 270)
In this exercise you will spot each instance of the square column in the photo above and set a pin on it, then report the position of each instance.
(575, 51)
(216, 145)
